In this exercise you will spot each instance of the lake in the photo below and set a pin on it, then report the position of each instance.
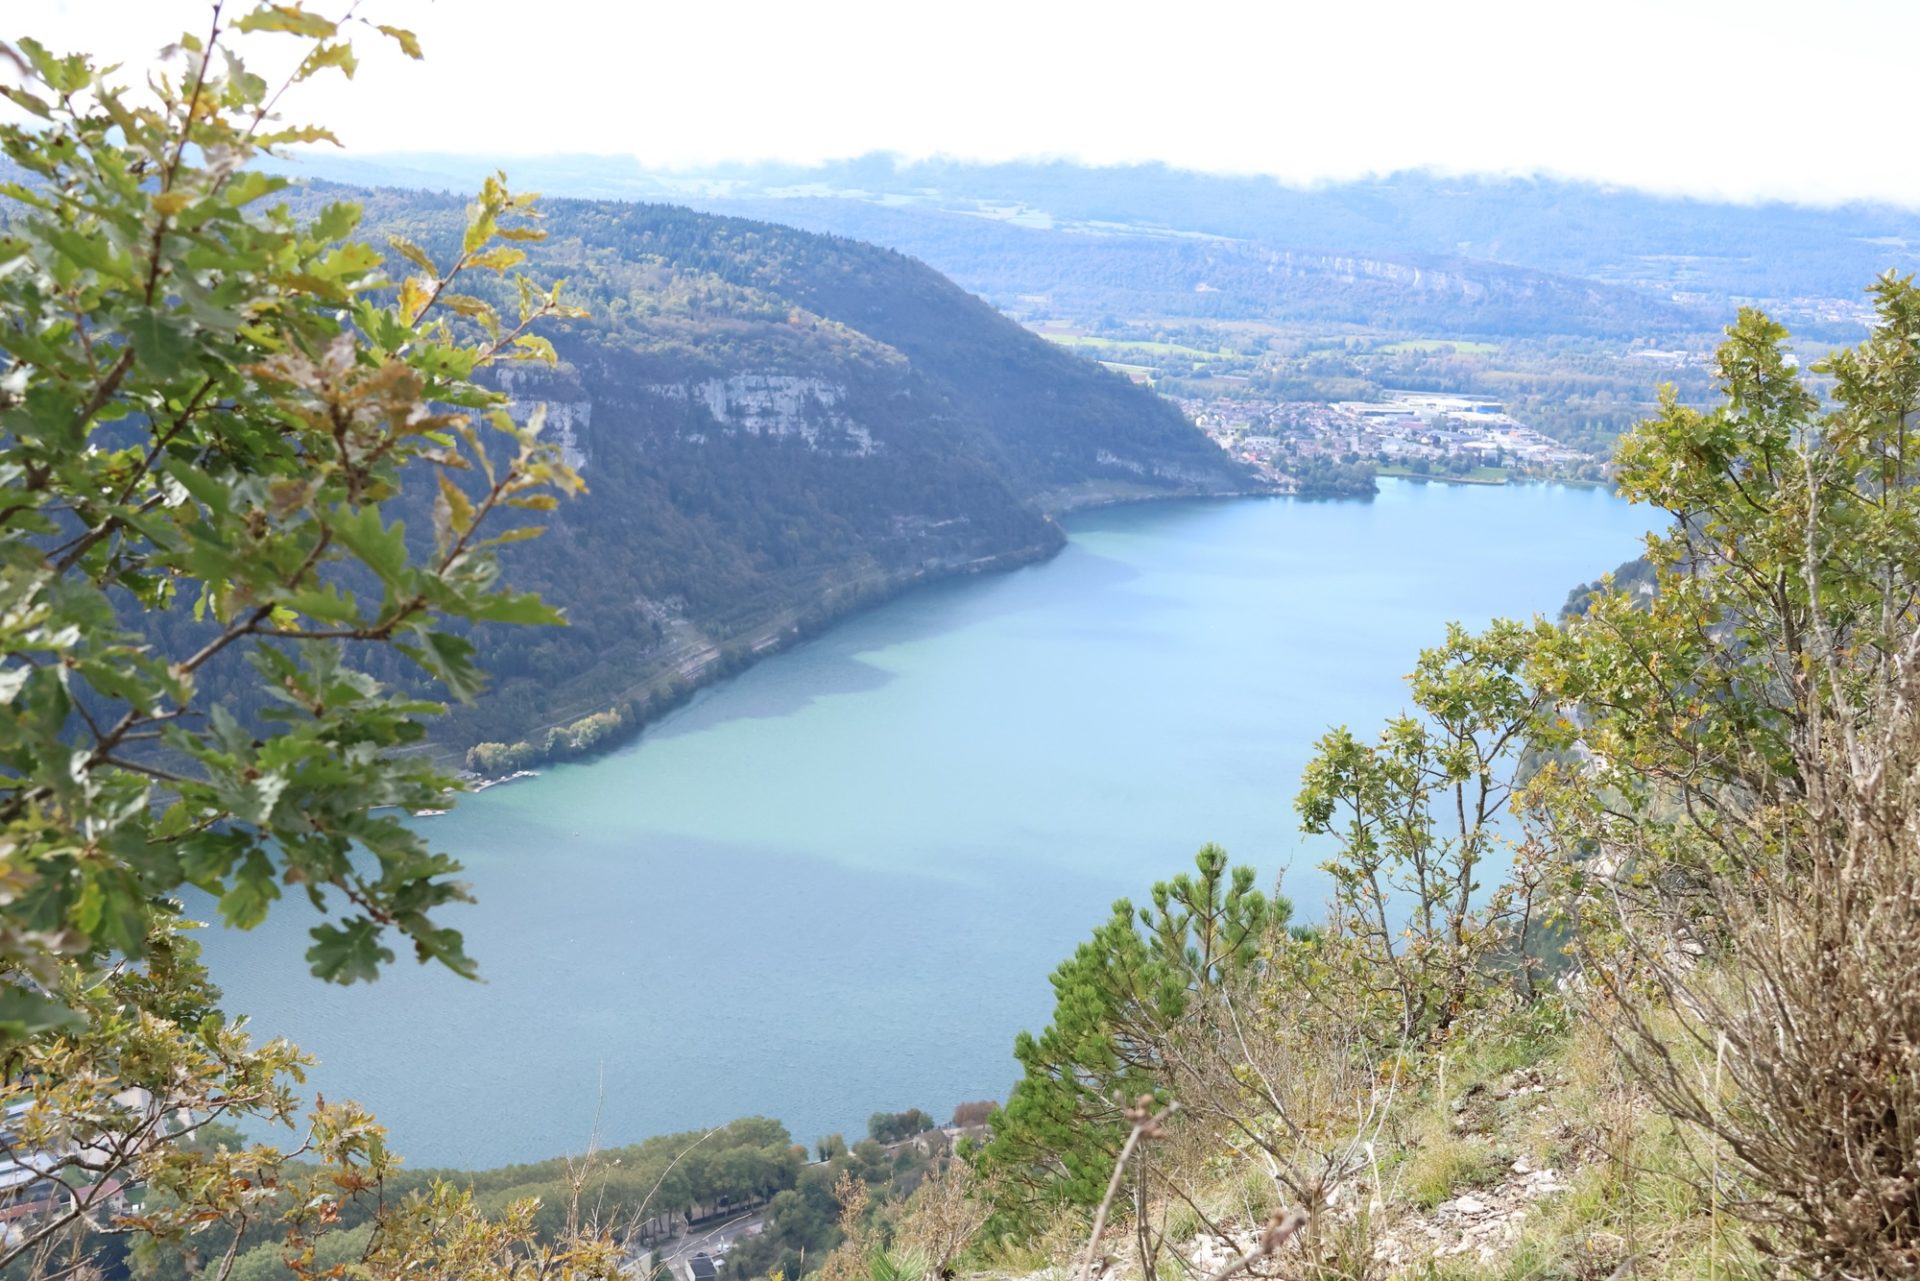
(837, 883)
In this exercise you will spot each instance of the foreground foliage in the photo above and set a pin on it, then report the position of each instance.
(1117, 999)
(208, 412)
(212, 407)
(1747, 805)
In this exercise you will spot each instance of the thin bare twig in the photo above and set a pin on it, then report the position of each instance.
(1146, 1125)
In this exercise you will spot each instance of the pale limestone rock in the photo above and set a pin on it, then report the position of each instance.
(775, 405)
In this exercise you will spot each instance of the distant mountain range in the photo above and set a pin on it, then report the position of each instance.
(1415, 251)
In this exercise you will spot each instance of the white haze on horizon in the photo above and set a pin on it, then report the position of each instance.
(1730, 99)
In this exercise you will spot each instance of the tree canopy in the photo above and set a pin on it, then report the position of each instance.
(209, 409)
(213, 407)
(1115, 1000)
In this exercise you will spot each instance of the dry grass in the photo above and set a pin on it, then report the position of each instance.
(1632, 1207)
(1444, 1166)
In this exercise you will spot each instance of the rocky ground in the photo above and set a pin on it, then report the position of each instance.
(1495, 1131)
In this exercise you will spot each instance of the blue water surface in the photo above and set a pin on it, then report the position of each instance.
(837, 883)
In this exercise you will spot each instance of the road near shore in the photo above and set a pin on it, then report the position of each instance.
(677, 1255)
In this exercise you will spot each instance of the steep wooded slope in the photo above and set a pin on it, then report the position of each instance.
(774, 425)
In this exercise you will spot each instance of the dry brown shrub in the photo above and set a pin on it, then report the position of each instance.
(1275, 1077)
(1789, 1033)
(849, 1259)
(942, 1217)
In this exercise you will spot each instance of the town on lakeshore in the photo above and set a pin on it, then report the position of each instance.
(1409, 433)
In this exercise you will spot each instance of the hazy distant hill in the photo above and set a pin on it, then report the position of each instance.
(1497, 256)
(1085, 273)
(774, 424)
(1569, 228)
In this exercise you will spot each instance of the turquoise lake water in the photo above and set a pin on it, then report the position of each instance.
(837, 883)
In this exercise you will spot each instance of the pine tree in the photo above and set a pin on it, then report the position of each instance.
(1117, 1002)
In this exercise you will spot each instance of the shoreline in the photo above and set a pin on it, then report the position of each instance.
(674, 687)
(670, 689)
(714, 665)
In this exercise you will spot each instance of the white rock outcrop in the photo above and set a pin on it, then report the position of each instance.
(568, 413)
(566, 425)
(768, 404)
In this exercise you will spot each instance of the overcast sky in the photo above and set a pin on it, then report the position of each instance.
(1742, 98)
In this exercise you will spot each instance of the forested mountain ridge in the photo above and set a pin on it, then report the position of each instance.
(773, 425)
(1124, 270)
(1658, 242)
(1494, 255)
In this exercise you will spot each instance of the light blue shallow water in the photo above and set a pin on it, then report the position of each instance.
(837, 883)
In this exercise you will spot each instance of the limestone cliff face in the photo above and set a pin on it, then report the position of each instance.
(774, 405)
(760, 403)
(1352, 269)
(1166, 472)
(567, 423)
(592, 406)
(568, 408)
